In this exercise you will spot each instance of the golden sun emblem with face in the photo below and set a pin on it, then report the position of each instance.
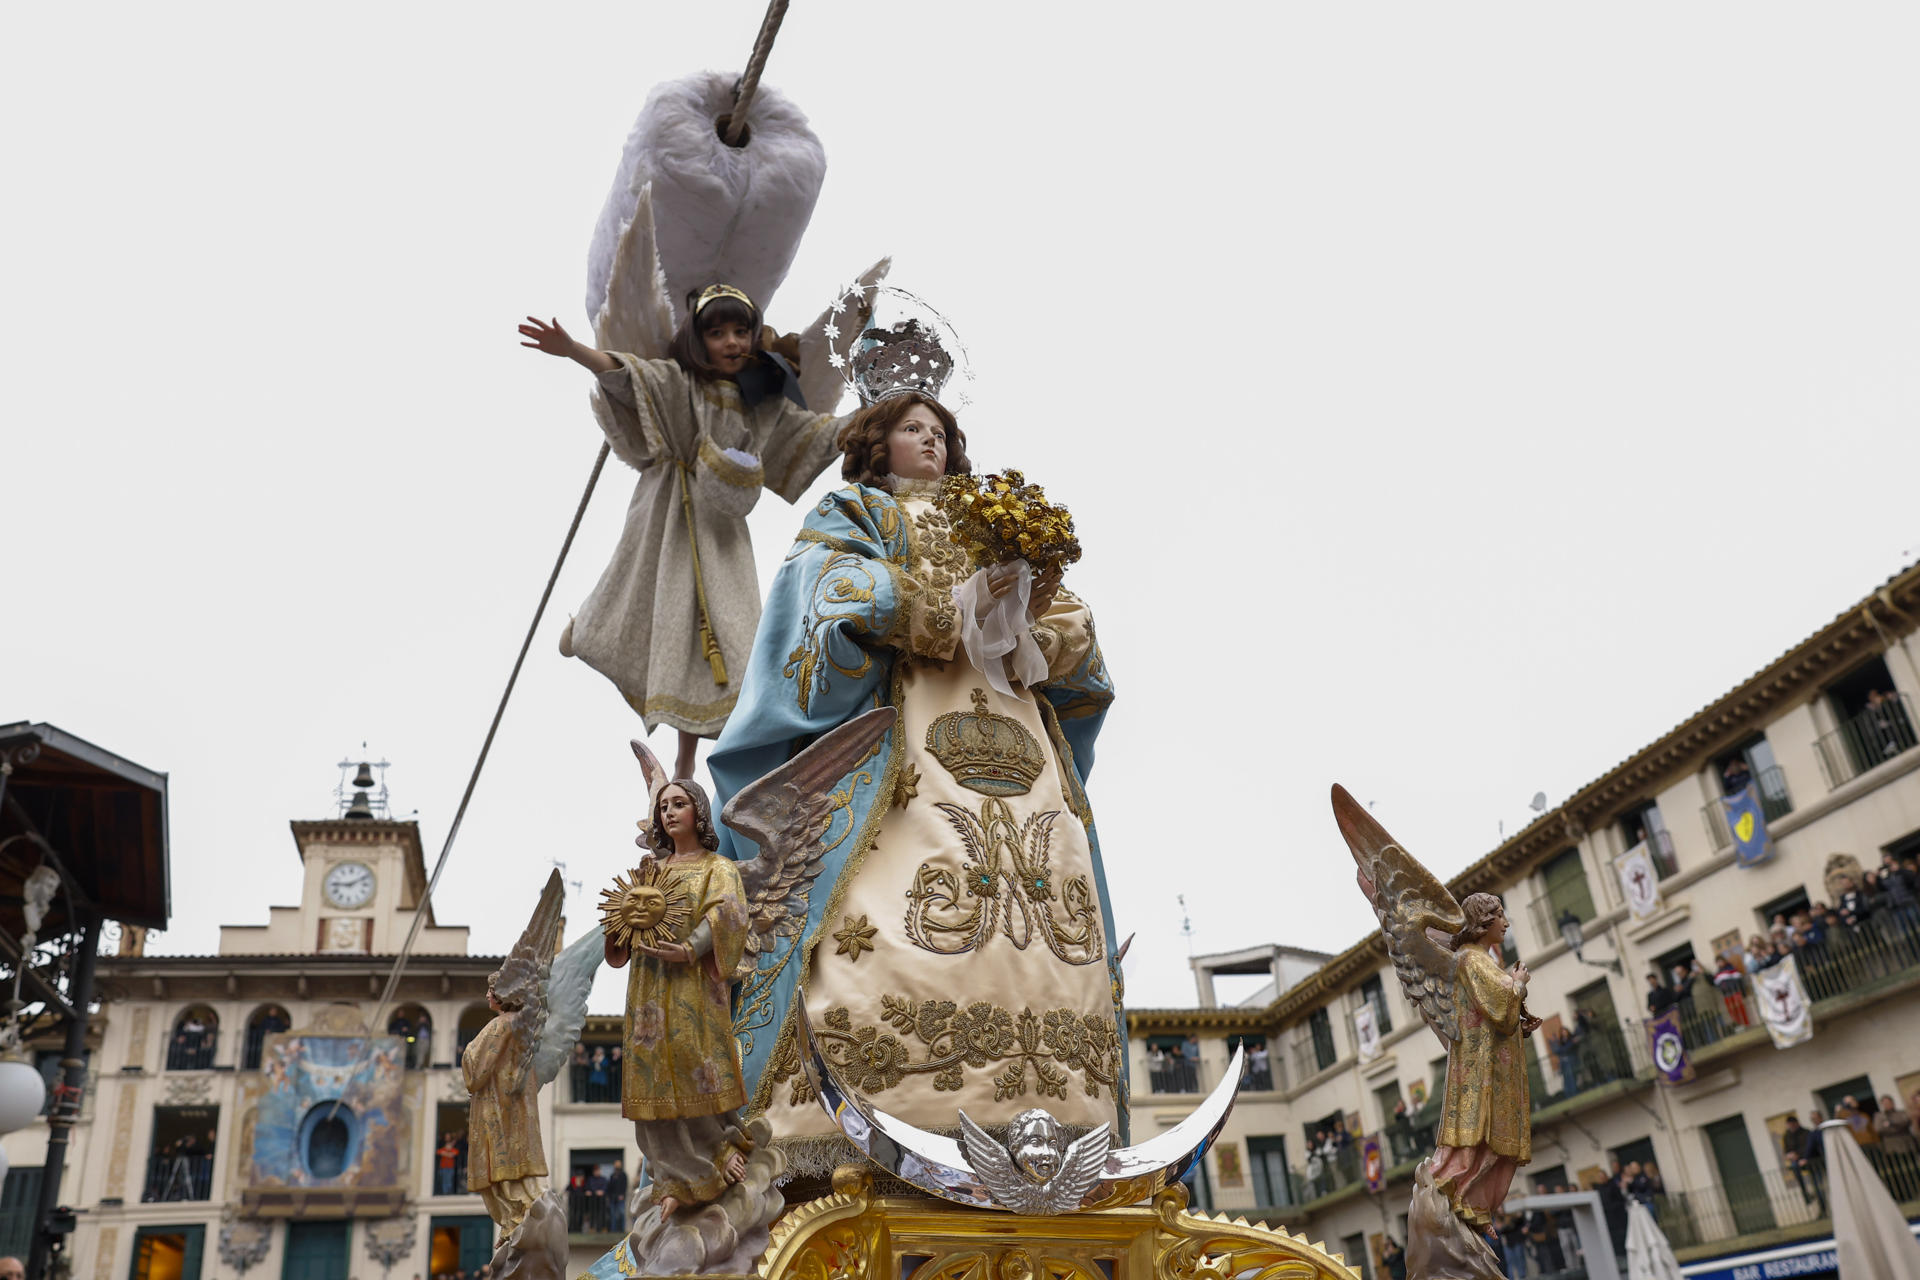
(650, 908)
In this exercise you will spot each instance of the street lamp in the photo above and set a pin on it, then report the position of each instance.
(1574, 935)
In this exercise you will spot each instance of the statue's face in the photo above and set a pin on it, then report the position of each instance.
(646, 906)
(1035, 1145)
(1038, 1160)
(678, 816)
(917, 445)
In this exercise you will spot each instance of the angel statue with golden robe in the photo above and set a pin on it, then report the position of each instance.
(539, 1000)
(1447, 956)
(686, 923)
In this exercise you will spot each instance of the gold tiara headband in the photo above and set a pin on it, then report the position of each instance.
(714, 291)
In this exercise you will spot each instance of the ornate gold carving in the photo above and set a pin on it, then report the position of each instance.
(1193, 1246)
(985, 751)
(1010, 883)
(855, 935)
(1056, 1045)
(937, 565)
(650, 908)
(853, 1234)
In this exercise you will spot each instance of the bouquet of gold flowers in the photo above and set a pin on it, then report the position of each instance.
(1001, 517)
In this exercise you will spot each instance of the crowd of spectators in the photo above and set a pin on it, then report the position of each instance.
(596, 1073)
(1332, 1159)
(1885, 1133)
(1174, 1068)
(1539, 1242)
(181, 1170)
(1872, 930)
(193, 1042)
(597, 1198)
(416, 1030)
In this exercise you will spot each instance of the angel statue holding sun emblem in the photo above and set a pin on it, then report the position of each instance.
(540, 1004)
(687, 923)
(1446, 954)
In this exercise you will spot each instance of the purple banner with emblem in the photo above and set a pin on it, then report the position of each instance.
(1669, 1050)
(1373, 1163)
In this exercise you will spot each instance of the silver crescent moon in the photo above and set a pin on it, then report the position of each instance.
(938, 1166)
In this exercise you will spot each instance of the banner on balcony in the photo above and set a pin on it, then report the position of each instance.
(1783, 1003)
(1751, 843)
(1373, 1163)
(1669, 1049)
(1639, 881)
(1366, 1032)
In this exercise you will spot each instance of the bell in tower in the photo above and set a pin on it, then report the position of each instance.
(362, 797)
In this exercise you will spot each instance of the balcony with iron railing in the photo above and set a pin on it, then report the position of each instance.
(1598, 1055)
(1775, 803)
(1868, 739)
(178, 1175)
(1546, 912)
(1168, 1074)
(1775, 1200)
(595, 1073)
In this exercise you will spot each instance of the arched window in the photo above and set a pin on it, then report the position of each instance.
(472, 1018)
(267, 1020)
(414, 1025)
(195, 1033)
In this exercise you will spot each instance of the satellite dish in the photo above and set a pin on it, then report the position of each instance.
(1539, 802)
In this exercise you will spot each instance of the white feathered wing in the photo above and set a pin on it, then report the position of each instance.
(567, 990)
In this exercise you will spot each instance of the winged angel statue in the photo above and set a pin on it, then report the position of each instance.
(541, 1002)
(1447, 956)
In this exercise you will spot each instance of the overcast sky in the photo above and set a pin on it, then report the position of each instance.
(1451, 398)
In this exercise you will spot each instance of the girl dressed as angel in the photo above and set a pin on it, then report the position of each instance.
(680, 1083)
(672, 618)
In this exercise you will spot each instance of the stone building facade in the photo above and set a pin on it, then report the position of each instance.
(1826, 735)
(166, 1171)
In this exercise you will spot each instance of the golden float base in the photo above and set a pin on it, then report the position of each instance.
(854, 1234)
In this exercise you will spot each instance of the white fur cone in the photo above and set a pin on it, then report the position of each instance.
(720, 213)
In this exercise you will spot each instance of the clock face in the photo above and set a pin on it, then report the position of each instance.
(350, 884)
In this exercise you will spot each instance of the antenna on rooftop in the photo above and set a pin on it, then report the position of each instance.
(1186, 923)
(1539, 802)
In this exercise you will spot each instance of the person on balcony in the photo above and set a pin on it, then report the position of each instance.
(448, 1153)
(1660, 996)
(617, 1197)
(1895, 1130)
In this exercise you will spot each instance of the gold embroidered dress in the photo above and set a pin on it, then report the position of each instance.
(1486, 1116)
(680, 1081)
(641, 626)
(957, 949)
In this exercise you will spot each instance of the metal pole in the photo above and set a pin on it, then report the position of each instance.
(60, 1118)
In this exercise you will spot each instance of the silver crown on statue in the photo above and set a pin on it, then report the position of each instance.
(907, 357)
(920, 352)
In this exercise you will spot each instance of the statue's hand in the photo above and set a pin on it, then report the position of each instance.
(1045, 586)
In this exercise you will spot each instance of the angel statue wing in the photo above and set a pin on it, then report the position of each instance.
(1412, 907)
(784, 813)
(567, 991)
(520, 983)
(655, 774)
(637, 313)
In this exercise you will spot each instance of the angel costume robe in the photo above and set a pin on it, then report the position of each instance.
(957, 945)
(680, 1083)
(504, 1155)
(697, 445)
(1486, 1128)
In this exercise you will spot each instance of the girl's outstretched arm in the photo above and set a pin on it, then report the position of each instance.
(548, 336)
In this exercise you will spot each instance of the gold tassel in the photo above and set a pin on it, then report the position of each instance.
(709, 643)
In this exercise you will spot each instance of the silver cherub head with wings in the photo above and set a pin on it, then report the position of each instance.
(1037, 1170)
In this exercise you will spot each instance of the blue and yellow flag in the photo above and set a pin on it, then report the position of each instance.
(1751, 843)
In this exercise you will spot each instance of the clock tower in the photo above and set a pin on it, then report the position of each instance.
(365, 874)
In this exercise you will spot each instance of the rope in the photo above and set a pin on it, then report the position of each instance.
(426, 899)
(756, 63)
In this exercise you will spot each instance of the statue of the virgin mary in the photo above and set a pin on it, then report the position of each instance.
(958, 945)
